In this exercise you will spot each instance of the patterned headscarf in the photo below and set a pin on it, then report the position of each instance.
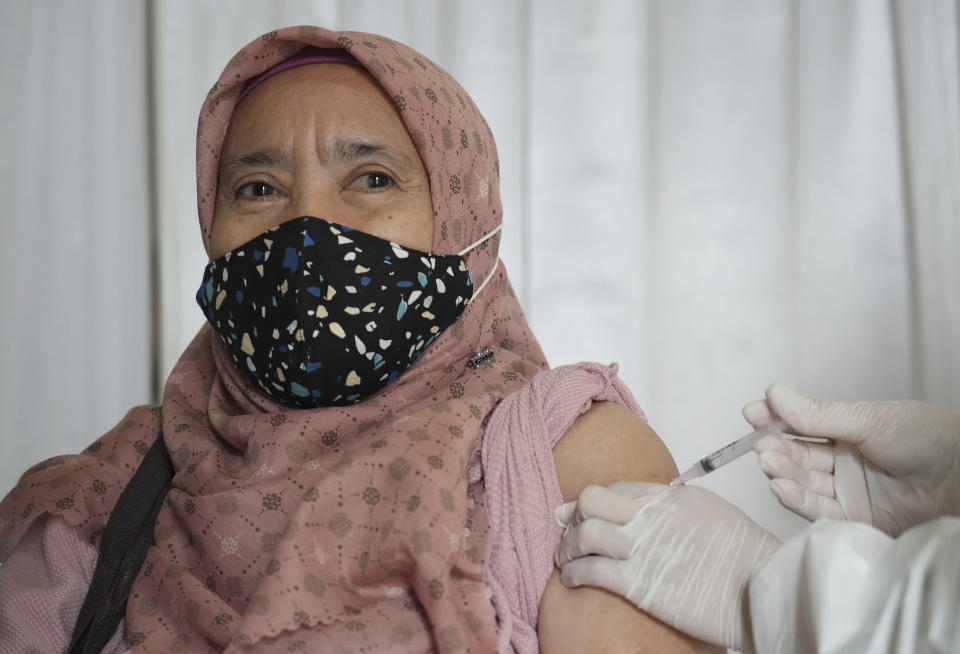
(347, 529)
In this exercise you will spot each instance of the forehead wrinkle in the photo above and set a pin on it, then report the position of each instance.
(269, 158)
(350, 149)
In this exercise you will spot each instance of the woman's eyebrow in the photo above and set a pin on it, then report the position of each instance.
(339, 149)
(234, 165)
(353, 150)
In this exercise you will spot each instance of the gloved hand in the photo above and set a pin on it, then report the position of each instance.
(889, 464)
(682, 554)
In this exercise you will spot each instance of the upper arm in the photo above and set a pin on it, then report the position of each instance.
(606, 444)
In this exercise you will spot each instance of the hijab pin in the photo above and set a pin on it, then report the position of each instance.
(480, 358)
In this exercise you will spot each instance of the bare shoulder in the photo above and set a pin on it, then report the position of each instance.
(608, 443)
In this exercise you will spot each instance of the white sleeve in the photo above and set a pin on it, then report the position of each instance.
(847, 587)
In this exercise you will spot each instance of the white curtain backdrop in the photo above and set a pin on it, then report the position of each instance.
(715, 193)
(75, 283)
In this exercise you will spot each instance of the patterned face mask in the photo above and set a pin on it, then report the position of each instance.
(319, 314)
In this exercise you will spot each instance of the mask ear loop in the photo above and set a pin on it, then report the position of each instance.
(496, 263)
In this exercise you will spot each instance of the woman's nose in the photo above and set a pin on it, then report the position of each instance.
(318, 199)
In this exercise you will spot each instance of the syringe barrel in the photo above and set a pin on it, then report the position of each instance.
(739, 447)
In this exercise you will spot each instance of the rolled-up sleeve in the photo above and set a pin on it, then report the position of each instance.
(42, 587)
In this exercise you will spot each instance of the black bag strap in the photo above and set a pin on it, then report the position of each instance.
(123, 548)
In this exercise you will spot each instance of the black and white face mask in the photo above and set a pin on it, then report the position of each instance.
(318, 314)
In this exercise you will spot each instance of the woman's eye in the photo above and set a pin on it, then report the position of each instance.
(376, 180)
(255, 190)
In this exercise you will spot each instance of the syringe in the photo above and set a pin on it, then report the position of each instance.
(728, 453)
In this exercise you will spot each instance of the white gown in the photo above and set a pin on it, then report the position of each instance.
(844, 587)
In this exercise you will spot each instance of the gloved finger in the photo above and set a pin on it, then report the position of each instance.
(777, 466)
(781, 463)
(637, 489)
(612, 574)
(607, 503)
(614, 503)
(564, 513)
(846, 421)
(757, 413)
(593, 536)
(805, 503)
(772, 443)
(812, 456)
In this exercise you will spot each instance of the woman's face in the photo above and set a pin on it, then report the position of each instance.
(320, 140)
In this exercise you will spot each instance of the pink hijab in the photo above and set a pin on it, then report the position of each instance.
(354, 528)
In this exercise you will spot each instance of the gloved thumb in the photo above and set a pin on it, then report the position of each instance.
(842, 421)
(615, 503)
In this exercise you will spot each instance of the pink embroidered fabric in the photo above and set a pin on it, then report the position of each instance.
(52, 567)
(523, 489)
(358, 528)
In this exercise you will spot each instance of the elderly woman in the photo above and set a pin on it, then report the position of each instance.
(367, 443)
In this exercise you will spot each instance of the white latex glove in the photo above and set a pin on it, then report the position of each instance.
(682, 554)
(890, 464)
